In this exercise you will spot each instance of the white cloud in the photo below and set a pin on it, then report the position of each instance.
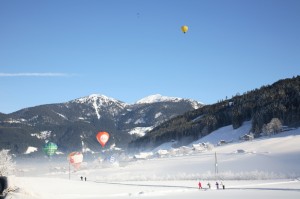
(35, 75)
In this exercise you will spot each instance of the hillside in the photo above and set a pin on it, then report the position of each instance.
(280, 100)
(73, 125)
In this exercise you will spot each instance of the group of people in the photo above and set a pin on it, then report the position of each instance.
(209, 185)
(81, 177)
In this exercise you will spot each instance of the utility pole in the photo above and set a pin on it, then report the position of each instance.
(216, 164)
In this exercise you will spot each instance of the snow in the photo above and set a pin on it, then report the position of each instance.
(158, 115)
(63, 189)
(227, 134)
(267, 167)
(96, 109)
(128, 121)
(97, 101)
(140, 131)
(61, 115)
(164, 146)
(143, 155)
(12, 121)
(31, 149)
(95, 97)
(42, 135)
(197, 118)
(139, 121)
(159, 98)
(86, 149)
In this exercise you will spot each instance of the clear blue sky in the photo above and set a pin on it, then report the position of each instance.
(55, 51)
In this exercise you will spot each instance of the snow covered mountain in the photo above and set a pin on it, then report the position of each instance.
(73, 125)
(100, 102)
(159, 98)
(277, 103)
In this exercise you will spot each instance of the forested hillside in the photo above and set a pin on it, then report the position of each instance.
(280, 100)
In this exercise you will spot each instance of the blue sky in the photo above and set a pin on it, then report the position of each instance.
(55, 51)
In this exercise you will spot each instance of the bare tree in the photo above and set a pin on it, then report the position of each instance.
(7, 166)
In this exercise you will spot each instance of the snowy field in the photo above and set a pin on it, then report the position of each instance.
(263, 168)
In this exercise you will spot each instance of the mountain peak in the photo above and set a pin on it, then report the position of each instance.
(157, 98)
(98, 101)
(97, 98)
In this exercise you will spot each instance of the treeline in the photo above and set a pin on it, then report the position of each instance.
(280, 100)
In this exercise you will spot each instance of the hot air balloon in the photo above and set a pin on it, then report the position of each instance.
(102, 138)
(50, 148)
(184, 29)
(75, 159)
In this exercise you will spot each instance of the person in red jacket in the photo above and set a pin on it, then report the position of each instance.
(199, 184)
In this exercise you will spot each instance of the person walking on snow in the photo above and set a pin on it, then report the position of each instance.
(223, 186)
(217, 185)
(208, 184)
(199, 184)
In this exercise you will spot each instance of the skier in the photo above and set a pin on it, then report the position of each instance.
(81, 178)
(223, 186)
(84, 178)
(199, 184)
(217, 185)
(208, 184)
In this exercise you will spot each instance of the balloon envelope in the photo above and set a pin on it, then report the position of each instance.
(184, 29)
(75, 158)
(102, 138)
(50, 148)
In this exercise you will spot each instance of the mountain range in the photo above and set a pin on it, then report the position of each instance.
(73, 125)
(149, 122)
(278, 102)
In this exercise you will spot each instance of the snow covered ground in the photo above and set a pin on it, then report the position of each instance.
(263, 168)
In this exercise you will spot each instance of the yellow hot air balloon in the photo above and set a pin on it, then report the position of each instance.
(184, 29)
